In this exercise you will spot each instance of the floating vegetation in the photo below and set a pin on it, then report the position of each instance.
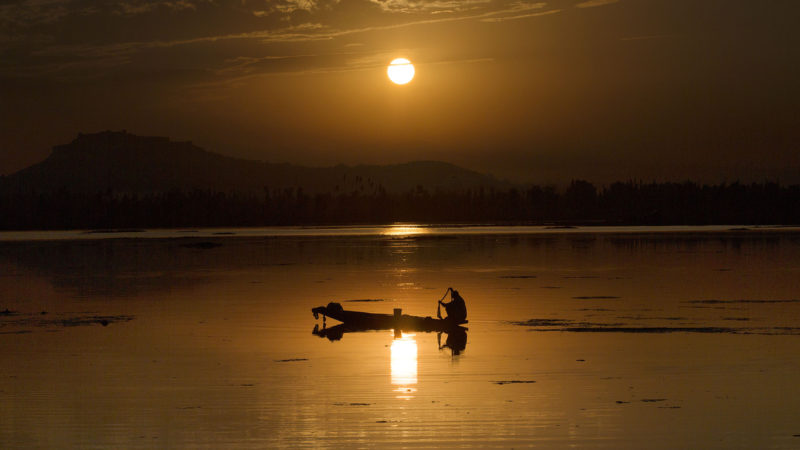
(651, 318)
(37, 320)
(543, 322)
(503, 382)
(291, 360)
(574, 326)
(708, 307)
(785, 330)
(717, 302)
(110, 231)
(647, 330)
(88, 320)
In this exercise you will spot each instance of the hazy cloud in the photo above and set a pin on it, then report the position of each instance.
(133, 7)
(70, 39)
(521, 16)
(435, 6)
(593, 3)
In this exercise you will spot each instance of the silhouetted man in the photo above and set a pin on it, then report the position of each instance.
(456, 309)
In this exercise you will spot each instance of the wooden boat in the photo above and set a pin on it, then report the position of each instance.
(358, 321)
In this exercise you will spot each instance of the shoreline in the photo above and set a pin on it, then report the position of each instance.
(384, 231)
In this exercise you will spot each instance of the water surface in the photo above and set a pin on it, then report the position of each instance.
(617, 338)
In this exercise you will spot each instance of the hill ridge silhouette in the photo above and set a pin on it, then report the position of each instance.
(114, 180)
(127, 163)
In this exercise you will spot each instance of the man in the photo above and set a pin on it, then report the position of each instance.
(456, 309)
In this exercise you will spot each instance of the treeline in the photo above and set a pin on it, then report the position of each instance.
(628, 203)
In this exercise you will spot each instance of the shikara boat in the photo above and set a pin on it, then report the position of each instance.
(362, 321)
(357, 321)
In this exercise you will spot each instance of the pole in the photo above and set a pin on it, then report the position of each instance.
(439, 304)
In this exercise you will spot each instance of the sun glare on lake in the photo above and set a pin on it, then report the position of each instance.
(404, 230)
(404, 365)
(400, 71)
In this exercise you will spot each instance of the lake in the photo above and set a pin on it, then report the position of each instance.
(663, 337)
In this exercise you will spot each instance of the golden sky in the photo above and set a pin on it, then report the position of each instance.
(540, 91)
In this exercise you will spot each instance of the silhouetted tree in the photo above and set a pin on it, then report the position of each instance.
(620, 203)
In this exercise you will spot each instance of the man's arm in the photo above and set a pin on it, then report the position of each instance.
(448, 291)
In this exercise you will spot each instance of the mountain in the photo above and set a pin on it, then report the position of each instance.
(125, 163)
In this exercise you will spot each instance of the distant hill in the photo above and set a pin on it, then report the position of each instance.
(121, 162)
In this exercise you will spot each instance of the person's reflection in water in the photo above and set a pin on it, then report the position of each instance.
(456, 340)
(334, 333)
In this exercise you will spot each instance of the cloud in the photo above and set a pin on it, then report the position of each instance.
(74, 39)
(28, 13)
(434, 6)
(134, 7)
(286, 7)
(244, 69)
(521, 16)
(594, 3)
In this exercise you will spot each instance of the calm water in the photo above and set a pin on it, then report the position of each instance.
(627, 338)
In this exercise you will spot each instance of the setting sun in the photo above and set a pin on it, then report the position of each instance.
(400, 71)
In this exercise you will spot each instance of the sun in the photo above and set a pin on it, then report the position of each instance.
(400, 71)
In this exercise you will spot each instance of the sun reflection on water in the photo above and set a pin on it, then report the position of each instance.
(404, 230)
(404, 365)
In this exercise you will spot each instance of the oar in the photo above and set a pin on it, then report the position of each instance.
(439, 304)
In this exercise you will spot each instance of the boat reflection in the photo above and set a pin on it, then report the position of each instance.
(455, 337)
(403, 351)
